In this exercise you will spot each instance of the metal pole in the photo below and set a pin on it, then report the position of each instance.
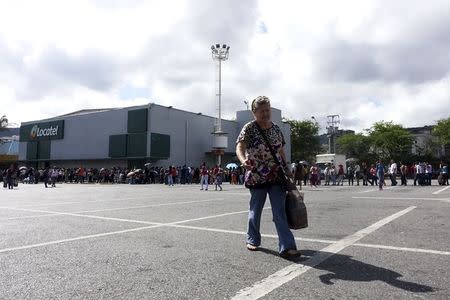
(219, 124)
(220, 95)
(186, 142)
(329, 143)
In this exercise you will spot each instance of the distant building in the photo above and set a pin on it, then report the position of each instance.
(424, 141)
(325, 139)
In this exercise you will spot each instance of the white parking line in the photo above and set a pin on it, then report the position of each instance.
(376, 190)
(210, 217)
(265, 286)
(115, 209)
(376, 246)
(83, 216)
(417, 250)
(245, 233)
(437, 192)
(128, 220)
(31, 217)
(154, 225)
(403, 198)
(76, 239)
(176, 225)
(99, 201)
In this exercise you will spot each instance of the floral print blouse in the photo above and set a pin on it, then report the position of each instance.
(265, 168)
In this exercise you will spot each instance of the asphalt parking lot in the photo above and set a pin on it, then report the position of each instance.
(160, 242)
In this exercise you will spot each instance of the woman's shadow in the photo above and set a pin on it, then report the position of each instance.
(343, 267)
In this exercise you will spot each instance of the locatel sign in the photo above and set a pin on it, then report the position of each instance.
(42, 131)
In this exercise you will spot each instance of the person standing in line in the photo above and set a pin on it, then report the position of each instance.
(305, 175)
(422, 169)
(174, 173)
(416, 173)
(333, 174)
(314, 171)
(327, 173)
(340, 175)
(365, 173)
(350, 174)
(429, 173)
(45, 176)
(403, 172)
(217, 173)
(298, 175)
(357, 173)
(9, 177)
(261, 176)
(204, 176)
(373, 175)
(444, 171)
(393, 173)
(380, 174)
(54, 176)
(169, 176)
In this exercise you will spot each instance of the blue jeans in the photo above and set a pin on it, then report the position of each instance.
(277, 201)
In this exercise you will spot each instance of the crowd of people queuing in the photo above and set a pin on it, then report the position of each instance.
(170, 175)
(420, 173)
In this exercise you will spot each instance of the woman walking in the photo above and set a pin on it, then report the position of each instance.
(261, 176)
(380, 174)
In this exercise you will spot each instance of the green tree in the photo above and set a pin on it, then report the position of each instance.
(390, 141)
(354, 145)
(442, 131)
(305, 142)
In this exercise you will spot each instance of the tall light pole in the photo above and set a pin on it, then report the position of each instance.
(333, 122)
(219, 53)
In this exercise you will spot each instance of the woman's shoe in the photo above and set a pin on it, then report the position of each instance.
(291, 253)
(252, 247)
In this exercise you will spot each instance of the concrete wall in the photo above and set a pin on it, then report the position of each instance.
(95, 163)
(190, 135)
(22, 151)
(87, 136)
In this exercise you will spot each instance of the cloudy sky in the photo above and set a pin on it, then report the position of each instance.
(364, 60)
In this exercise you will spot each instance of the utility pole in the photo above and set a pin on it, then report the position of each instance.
(333, 122)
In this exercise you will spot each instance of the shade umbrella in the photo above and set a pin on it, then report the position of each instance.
(23, 168)
(130, 174)
(231, 165)
(138, 171)
(147, 164)
(351, 159)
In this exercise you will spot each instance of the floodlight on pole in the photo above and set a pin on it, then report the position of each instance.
(219, 53)
(333, 122)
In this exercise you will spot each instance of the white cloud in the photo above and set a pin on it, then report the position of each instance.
(365, 60)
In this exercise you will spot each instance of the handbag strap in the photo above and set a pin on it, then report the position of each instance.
(268, 144)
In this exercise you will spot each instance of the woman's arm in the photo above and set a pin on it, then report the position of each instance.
(283, 156)
(284, 163)
(240, 152)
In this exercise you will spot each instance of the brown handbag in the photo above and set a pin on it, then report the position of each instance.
(296, 213)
